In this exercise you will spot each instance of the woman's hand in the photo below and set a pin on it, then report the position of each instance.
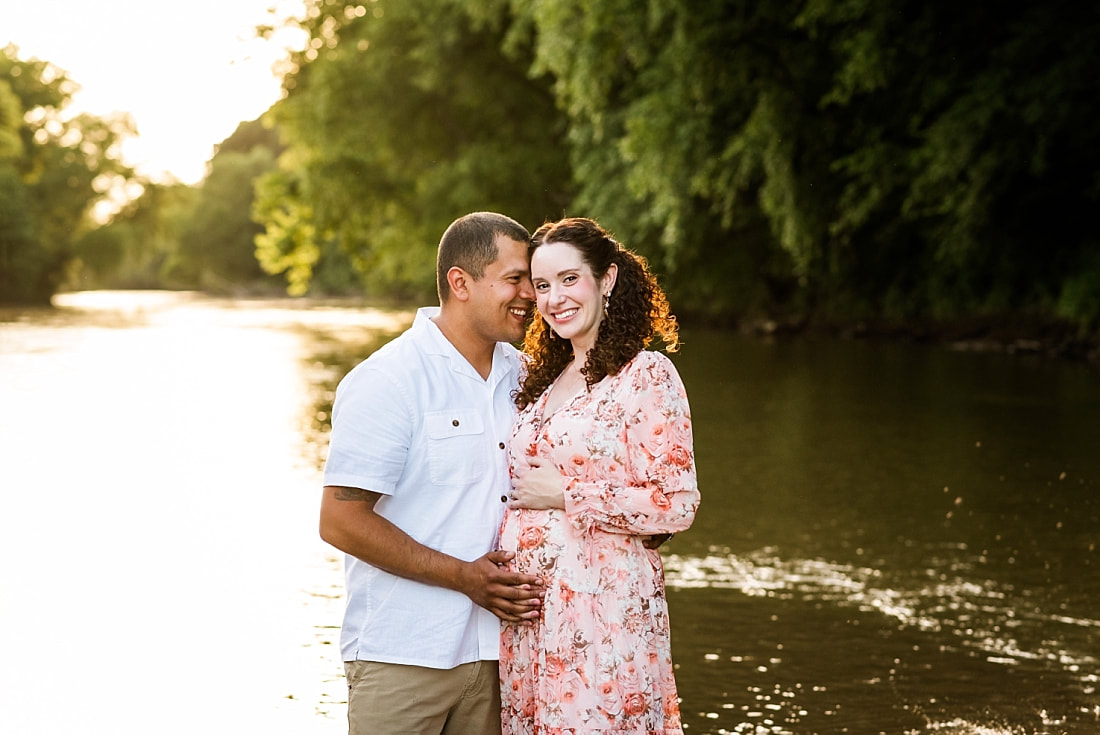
(540, 487)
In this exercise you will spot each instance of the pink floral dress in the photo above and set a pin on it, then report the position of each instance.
(599, 659)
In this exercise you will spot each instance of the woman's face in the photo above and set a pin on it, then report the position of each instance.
(567, 293)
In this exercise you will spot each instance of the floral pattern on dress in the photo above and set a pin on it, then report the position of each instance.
(599, 658)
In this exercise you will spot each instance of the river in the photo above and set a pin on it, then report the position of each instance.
(893, 538)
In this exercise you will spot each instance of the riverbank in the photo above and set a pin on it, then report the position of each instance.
(1004, 333)
(1008, 335)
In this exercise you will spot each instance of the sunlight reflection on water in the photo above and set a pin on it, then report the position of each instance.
(158, 520)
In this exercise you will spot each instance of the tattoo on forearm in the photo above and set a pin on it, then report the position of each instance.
(353, 493)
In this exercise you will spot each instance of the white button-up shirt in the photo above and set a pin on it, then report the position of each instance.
(416, 423)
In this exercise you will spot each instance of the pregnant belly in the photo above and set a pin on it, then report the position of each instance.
(538, 538)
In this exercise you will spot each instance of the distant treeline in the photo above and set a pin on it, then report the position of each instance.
(823, 161)
(59, 173)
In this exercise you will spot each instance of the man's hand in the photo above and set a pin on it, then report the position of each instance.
(349, 523)
(514, 598)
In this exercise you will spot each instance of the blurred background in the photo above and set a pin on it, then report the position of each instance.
(853, 166)
(871, 218)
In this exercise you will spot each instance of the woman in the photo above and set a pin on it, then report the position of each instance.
(601, 458)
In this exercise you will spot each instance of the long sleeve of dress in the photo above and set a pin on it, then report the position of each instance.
(638, 473)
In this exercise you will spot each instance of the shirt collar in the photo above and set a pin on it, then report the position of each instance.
(505, 362)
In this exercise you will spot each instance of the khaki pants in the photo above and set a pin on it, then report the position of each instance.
(393, 699)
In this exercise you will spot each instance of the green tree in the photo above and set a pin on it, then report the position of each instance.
(179, 236)
(23, 265)
(831, 160)
(53, 170)
(18, 254)
(139, 246)
(906, 159)
(217, 250)
(966, 184)
(400, 116)
(250, 135)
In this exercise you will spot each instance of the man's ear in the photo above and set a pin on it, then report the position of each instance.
(458, 281)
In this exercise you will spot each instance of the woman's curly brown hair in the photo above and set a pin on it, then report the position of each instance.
(637, 312)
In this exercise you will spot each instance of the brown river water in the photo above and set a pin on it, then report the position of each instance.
(893, 538)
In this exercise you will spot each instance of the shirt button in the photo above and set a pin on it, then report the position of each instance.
(504, 498)
(454, 422)
(501, 445)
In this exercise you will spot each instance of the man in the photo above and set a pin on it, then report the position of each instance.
(416, 483)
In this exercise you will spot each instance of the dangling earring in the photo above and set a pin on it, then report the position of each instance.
(606, 302)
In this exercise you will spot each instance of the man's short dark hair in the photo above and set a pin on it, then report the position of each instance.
(470, 244)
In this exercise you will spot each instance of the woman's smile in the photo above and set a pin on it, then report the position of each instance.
(562, 316)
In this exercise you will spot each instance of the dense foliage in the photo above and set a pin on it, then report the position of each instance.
(216, 249)
(178, 236)
(828, 159)
(53, 171)
(399, 117)
(825, 161)
(58, 172)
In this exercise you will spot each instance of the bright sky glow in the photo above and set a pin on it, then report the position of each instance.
(186, 72)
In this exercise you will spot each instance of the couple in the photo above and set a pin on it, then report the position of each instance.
(428, 455)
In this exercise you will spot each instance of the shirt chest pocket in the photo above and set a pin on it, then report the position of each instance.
(456, 447)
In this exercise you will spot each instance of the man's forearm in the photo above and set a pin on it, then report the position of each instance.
(350, 523)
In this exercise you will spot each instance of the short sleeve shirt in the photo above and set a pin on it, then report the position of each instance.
(416, 423)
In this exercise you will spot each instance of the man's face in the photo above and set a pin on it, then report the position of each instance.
(501, 299)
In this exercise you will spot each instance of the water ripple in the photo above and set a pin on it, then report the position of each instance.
(981, 614)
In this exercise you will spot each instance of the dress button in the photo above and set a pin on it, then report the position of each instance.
(454, 422)
(504, 498)
(501, 445)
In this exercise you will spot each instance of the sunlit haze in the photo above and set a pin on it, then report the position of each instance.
(187, 73)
